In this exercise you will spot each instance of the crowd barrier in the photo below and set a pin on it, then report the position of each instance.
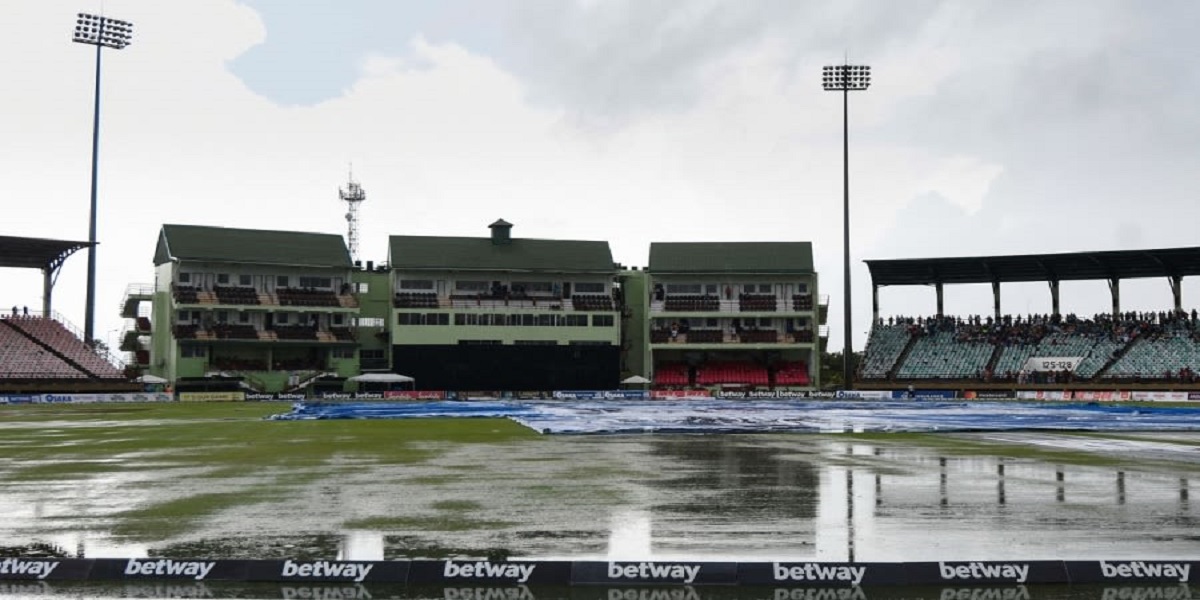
(586, 573)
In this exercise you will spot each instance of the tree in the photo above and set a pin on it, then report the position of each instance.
(831, 368)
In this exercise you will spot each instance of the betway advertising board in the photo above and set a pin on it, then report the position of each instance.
(465, 575)
(84, 398)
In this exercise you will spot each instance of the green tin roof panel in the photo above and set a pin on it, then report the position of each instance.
(250, 246)
(410, 252)
(731, 257)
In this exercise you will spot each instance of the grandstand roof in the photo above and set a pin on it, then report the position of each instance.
(227, 245)
(1072, 266)
(730, 257)
(434, 253)
(36, 253)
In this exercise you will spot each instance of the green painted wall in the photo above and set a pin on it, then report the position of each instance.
(636, 358)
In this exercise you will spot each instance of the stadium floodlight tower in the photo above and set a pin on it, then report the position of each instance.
(353, 195)
(101, 32)
(846, 79)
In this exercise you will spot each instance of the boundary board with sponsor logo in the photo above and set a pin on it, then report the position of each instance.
(594, 573)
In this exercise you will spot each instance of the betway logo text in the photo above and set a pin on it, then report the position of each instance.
(20, 566)
(684, 573)
(818, 572)
(1140, 569)
(165, 566)
(322, 569)
(482, 569)
(1014, 571)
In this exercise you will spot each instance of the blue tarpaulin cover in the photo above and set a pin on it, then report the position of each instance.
(723, 416)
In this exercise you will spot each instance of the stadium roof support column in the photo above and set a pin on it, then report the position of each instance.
(874, 304)
(47, 290)
(996, 298)
(1177, 291)
(941, 297)
(1114, 286)
(1054, 297)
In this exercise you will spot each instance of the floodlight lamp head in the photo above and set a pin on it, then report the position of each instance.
(95, 30)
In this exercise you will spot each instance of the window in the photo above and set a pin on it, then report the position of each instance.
(749, 288)
(316, 282)
(545, 320)
(222, 316)
(764, 322)
(416, 284)
(535, 343)
(764, 288)
(528, 320)
(243, 317)
(710, 289)
(191, 351)
(339, 319)
(589, 288)
(533, 286)
(223, 278)
(479, 342)
(244, 280)
(282, 318)
(370, 322)
(710, 323)
(282, 281)
(471, 286)
(363, 287)
(602, 320)
(683, 288)
(801, 288)
(577, 320)
(342, 352)
(183, 316)
(185, 278)
(371, 354)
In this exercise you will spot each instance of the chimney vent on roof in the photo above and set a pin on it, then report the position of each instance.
(501, 232)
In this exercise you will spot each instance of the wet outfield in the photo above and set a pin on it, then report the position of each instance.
(787, 497)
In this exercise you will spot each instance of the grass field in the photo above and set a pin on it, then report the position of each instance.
(220, 480)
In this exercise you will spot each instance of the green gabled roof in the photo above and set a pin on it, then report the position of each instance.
(730, 257)
(250, 246)
(414, 252)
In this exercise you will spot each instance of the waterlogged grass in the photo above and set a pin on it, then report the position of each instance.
(958, 445)
(176, 517)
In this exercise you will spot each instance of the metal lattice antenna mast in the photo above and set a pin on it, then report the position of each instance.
(353, 195)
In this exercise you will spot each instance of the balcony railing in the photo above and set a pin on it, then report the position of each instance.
(714, 336)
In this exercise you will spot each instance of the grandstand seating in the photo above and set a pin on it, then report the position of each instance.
(692, 302)
(232, 331)
(757, 302)
(415, 300)
(236, 295)
(731, 372)
(295, 332)
(185, 294)
(306, 297)
(1172, 355)
(758, 336)
(21, 357)
(592, 302)
(704, 336)
(941, 355)
(671, 374)
(802, 302)
(792, 373)
(884, 348)
(57, 339)
(1161, 346)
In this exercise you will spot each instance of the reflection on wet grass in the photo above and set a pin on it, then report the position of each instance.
(457, 505)
(965, 445)
(427, 523)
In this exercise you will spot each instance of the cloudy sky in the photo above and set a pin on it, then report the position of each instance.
(991, 127)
